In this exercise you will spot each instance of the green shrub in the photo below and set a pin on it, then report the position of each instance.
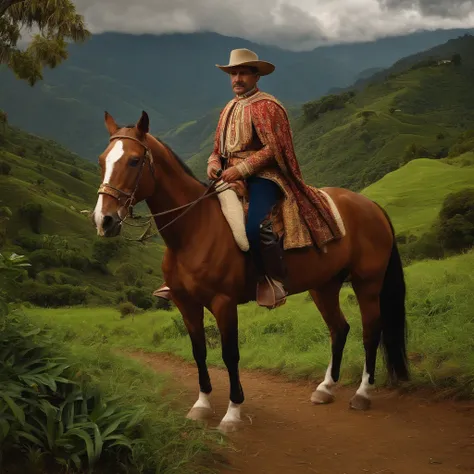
(5, 168)
(45, 409)
(43, 258)
(163, 304)
(104, 250)
(128, 273)
(140, 297)
(32, 213)
(127, 308)
(51, 296)
(75, 173)
(453, 231)
(456, 220)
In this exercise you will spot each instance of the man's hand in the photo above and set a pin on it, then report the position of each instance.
(230, 175)
(212, 170)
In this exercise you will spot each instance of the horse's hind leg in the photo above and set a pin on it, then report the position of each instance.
(327, 301)
(193, 317)
(368, 296)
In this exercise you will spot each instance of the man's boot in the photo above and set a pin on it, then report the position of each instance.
(271, 291)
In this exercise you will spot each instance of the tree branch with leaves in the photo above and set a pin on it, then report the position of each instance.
(57, 22)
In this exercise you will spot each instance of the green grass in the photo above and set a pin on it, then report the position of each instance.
(413, 195)
(293, 340)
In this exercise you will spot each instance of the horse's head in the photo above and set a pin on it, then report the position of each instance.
(127, 174)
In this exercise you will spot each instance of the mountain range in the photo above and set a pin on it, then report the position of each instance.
(174, 78)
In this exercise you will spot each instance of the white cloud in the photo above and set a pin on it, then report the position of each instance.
(292, 24)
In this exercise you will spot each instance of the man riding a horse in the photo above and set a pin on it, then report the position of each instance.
(205, 266)
(253, 145)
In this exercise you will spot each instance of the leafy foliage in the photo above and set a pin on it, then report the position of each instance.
(456, 221)
(450, 234)
(43, 405)
(463, 144)
(57, 22)
(32, 213)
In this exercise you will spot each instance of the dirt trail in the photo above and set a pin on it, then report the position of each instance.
(284, 433)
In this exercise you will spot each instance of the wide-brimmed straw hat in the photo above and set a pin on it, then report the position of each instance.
(245, 57)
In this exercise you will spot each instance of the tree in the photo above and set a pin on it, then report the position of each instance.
(57, 23)
(456, 59)
(3, 120)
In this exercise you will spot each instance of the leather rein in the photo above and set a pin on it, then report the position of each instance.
(119, 194)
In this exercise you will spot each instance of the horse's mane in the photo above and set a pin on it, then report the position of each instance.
(181, 162)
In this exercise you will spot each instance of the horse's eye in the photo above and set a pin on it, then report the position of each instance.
(134, 161)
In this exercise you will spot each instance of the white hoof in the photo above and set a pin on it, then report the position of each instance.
(230, 426)
(201, 410)
(359, 402)
(199, 413)
(231, 421)
(320, 397)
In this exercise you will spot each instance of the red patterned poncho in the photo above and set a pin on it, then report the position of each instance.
(274, 159)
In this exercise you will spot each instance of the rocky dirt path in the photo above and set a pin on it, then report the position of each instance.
(283, 433)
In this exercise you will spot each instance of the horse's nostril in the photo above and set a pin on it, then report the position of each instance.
(107, 222)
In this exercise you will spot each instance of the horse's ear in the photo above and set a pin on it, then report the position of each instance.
(143, 124)
(110, 124)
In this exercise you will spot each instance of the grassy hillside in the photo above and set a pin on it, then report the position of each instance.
(173, 77)
(46, 187)
(414, 194)
(354, 141)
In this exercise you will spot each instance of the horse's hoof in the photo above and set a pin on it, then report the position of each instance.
(199, 414)
(319, 397)
(230, 426)
(358, 402)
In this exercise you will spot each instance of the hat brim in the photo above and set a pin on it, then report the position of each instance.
(264, 67)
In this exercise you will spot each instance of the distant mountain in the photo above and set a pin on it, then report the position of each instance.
(443, 51)
(368, 73)
(174, 78)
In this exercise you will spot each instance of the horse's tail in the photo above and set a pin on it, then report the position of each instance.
(393, 315)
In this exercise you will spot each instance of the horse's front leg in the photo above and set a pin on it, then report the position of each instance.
(225, 312)
(193, 316)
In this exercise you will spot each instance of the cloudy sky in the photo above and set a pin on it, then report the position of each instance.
(293, 24)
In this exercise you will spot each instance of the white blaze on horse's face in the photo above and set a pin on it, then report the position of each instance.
(111, 159)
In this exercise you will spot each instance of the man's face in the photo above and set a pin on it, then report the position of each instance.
(243, 79)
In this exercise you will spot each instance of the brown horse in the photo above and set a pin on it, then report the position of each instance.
(204, 267)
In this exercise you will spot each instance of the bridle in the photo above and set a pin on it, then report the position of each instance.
(119, 194)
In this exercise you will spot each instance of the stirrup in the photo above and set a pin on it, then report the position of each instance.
(163, 292)
(270, 293)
